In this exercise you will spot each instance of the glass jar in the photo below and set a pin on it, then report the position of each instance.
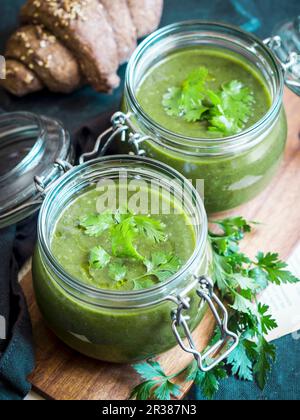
(126, 326)
(234, 169)
(31, 149)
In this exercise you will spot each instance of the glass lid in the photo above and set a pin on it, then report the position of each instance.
(30, 147)
(286, 45)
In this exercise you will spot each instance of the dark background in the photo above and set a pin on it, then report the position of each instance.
(260, 16)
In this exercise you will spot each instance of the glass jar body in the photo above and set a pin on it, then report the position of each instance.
(108, 334)
(113, 325)
(234, 169)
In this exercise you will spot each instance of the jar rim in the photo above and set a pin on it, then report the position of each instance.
(175, 139)
(110, 295)
(31, 154)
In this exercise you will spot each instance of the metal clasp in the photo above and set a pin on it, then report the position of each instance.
(289, 60)
(214, 355)
(122, 126)
(42, 190)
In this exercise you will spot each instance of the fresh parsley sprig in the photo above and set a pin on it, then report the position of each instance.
(123, 229)
(239, 280)
(225, 111)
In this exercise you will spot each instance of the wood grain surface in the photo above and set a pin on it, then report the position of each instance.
(63, 374)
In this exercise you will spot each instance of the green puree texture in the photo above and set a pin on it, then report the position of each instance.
(71, 246)
(176, 67)
(111, 334)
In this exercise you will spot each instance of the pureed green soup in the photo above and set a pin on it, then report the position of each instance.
(119, 250)
(223, 67)
(90, 248)
(235, 98)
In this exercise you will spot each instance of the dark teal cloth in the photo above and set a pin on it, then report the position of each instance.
(283, 383)
(16, 353)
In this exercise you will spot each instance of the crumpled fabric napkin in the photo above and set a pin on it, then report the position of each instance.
(16, 344)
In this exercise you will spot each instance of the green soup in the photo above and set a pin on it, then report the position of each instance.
(115, 332)
(175, 68)
(233, 170)
(71, 246)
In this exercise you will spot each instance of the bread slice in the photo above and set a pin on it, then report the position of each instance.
(146, 15)
(123, 27)
(54, 64)
(20, 80)
(84, 28)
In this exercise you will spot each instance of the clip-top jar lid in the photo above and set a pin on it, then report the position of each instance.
(30, 147)
(286, 45)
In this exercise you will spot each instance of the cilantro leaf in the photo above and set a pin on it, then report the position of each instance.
(157, 384)
(274, 268)
(122, 237)
(226, 110)
(188, 100)
(166, 390)
(242, 302)
(241, 364)
(266, 321)
(232, 108)
(172, 101)
(96, 224)
(208, 382)
(162, 265)
(236, 226)
(150, 228)
(98, 258)
(117, 271)
(266, 354)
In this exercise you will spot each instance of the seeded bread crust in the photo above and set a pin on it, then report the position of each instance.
(82, 26)
(55, 66)
(146, 15)
(20, 80)
(123, 27)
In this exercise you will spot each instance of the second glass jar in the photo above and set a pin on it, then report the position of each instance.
(234, 169)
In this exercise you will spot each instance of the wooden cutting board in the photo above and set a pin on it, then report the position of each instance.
(63, 374)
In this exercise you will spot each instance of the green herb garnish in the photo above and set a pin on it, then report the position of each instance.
(239, 279)
(99, 258)
(232, 108)
(157, 384)
(117, 271)
(162, 265)
(226, 111)
(96, 224)
(123, 229)
(188, 100)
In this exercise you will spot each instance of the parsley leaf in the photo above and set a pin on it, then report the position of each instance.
(232, 108)
(226, 110)
(122, 236)
(187, 101)
(117, 271)
(96, 224)
(208, 382)
(239, 279)
(128, 227)
(241, 364)
(266, 354)
(98, 258)
(157, 385)
(267, 323)
(162, 265)
(150, 228)
(273, 268)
